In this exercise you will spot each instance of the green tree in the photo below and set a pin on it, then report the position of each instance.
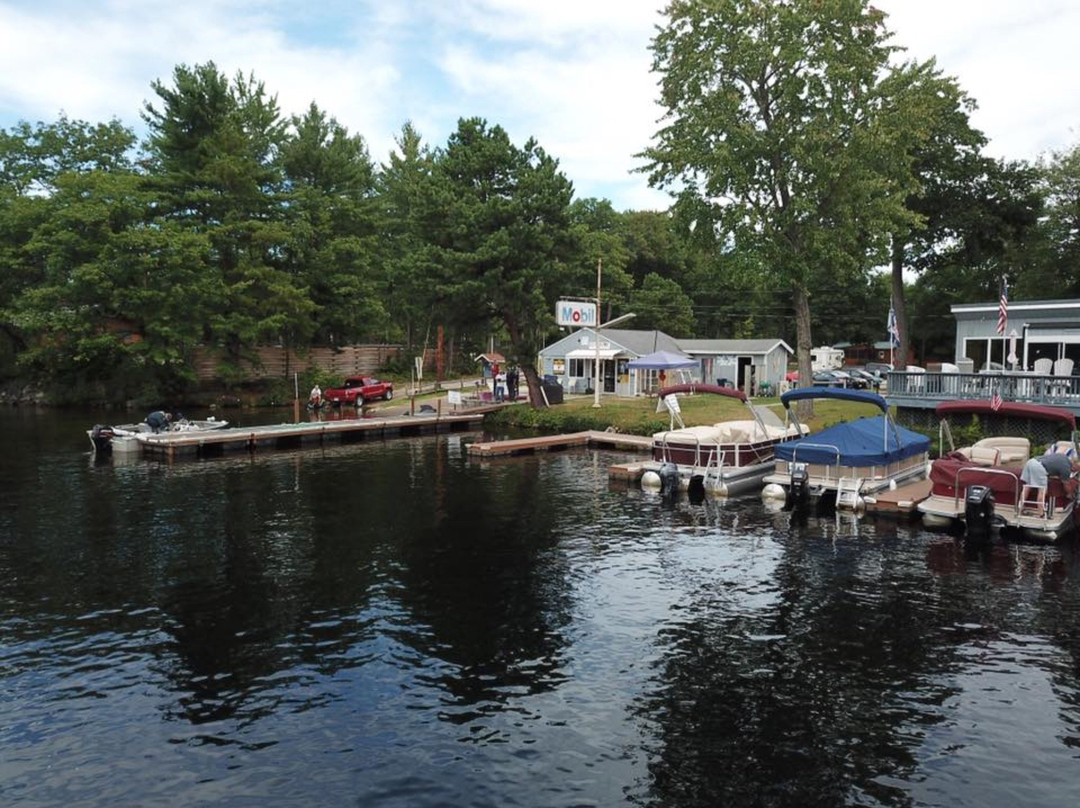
(332, 249)
(660, 303)
(1055, 272)
(498, 218)
(32, 158)
(775, 137)
(403, 182)
(213, 146)
(117, 310)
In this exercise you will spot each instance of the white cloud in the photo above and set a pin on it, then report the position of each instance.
(573, 73)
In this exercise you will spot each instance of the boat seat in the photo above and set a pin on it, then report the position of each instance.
(984, 455)
(1003, 450)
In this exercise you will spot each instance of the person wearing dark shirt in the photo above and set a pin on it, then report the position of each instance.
(1037, 473)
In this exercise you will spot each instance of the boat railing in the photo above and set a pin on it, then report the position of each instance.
(826, 446)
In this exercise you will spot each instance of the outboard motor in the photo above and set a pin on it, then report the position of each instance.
(799, 488)
(978, 510)
(102, 436)
(669, 480)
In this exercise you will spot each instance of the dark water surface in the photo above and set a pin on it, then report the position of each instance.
(394, 624)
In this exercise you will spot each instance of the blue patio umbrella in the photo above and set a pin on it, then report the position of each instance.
(662, 360)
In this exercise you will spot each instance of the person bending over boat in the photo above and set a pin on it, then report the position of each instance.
(159, 421)
(1038, 471)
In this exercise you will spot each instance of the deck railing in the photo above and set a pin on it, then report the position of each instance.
(1011, 386)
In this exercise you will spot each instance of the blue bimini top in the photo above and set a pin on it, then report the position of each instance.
(866, 442)
(864, 396)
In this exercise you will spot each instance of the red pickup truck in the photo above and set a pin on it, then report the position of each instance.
(358, 389)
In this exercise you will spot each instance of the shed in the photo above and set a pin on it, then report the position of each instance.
(738, 362)
(488, 361)
(754, 366)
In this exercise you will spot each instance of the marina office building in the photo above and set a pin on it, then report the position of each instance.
(1036, 329)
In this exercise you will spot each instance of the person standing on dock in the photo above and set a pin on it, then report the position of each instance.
(315, 398)
(512, 383)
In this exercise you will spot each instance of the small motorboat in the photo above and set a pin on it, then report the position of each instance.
(846, 461)
(126, 438)
(979, 487)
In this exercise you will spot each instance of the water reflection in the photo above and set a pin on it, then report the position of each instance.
(393, 623)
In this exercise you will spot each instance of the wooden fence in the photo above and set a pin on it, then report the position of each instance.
(281, 363)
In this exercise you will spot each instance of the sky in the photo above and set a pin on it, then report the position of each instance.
(574, 74)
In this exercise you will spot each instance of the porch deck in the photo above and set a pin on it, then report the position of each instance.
(927, 390)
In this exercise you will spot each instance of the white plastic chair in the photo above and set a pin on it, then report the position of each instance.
(1044, 366)
(1063, 368)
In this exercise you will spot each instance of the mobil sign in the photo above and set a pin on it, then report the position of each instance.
(575, 313)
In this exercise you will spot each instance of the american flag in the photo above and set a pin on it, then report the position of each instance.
(995, 401)
(1003, 307)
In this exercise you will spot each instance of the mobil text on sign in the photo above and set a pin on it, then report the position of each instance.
(575, 313)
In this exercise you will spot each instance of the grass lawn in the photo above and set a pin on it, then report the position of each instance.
(639, 415)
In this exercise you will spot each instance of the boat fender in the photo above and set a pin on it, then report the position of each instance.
(669, 479)
(695, 489)
(650, 479)
(773, 492)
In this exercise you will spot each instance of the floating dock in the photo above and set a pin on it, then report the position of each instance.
(206, 443)
(548, 443)
(901, 501)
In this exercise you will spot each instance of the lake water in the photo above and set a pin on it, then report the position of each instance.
(396, 624)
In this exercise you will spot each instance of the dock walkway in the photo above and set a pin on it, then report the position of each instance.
(202, 443)
(547, 443)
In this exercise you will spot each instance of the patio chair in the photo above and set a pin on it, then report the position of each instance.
(1063, 368)
(1044, 366)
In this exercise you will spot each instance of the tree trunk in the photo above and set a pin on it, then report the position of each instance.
(532, 379)
(900, 360)
(519, 350)
(803, 344)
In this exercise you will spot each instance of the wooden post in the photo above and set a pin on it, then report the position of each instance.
(296, 398)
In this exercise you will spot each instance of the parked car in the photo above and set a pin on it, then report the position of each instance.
(839, 378)
(872, 380)
(358, 389)
(881, 368)
(825, 378)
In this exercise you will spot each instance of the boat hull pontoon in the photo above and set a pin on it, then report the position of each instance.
(847, 461)
(728, 458)
(978, 489)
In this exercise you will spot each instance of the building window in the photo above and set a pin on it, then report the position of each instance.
(577, 368)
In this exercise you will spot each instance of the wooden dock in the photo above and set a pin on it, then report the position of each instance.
(204, 443)
(902, 501)
(548, 443)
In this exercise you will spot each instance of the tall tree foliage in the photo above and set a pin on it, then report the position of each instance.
(498, 219)
(402, 183)
(774, 133)
(333, 248)
(1057, 273)
(214, 146)
(69, 195)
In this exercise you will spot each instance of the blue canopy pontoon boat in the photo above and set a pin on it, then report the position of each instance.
(847, 460)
